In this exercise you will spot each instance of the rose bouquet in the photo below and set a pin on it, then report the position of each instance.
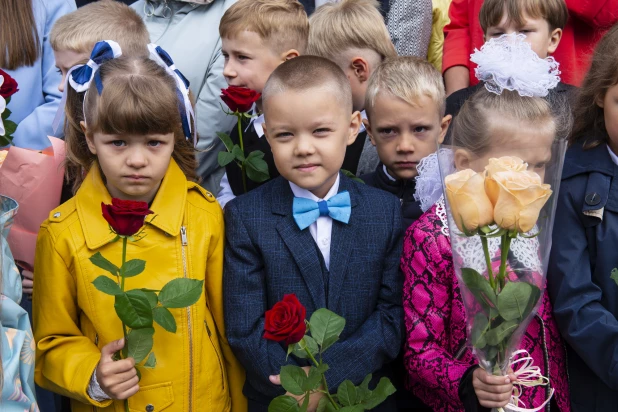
(8, 87)
(240, 100)
(286, 323)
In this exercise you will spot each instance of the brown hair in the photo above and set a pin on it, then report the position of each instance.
(335, 28)
(139, 97)
(80, 30)
(18, 35)
(308, 72)
(589, 120)
(555, 12)
(282, 24)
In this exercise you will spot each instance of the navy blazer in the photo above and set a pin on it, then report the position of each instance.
(583, 295)
(267, 256)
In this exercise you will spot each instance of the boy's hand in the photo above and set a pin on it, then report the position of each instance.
(27, 282)
(314, 398)
(118, 379)
(492, 391)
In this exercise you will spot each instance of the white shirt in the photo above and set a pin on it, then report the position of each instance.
(612, 155)
(321, 230)
(391, 178)
(319, 3)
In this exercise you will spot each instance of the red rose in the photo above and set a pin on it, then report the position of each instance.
(285, 322)
(126, 217)
(9, 87)
(239, 99)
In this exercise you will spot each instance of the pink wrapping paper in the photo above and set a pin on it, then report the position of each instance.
(34, 179)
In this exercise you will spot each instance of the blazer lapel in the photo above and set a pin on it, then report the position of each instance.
(342, 239)
(300, 243)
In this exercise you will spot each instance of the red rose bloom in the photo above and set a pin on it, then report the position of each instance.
(239, 99)
(285, 322)
(9, 87)
(126, 217)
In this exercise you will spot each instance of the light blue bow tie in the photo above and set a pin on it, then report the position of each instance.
(307, 211)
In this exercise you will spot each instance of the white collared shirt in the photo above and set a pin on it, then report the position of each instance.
(321, 230)
(362, 126)
(391, 178)
(612, 155)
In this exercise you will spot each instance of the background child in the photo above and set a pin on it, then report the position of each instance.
(133, 147)
(442, 370)
(349, 267)
(352, 34)
(581, 280)
(257, 36)
(405, 122)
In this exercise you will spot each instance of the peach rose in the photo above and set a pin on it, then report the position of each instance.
(518, 198)
(469, 203)
(505, 164)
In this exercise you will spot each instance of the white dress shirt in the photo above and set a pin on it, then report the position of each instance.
(612, 155)
(321, 229)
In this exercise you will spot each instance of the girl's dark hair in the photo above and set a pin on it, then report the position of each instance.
(589, 123)
(19, 38)
(139, 97)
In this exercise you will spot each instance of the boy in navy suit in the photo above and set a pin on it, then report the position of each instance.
(348, 263)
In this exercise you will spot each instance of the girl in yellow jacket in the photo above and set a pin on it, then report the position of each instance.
(132, 139)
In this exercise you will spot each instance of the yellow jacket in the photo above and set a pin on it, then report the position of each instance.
(436, 42)
(196, 370)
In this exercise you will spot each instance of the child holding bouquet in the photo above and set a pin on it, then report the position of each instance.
(442, 370)
(133, 148)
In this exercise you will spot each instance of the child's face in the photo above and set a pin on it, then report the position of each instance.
(248, 60)
(133, 165)
(403, 133)
(538, 34)
(609, 104)
(65, 59)
(308, 132)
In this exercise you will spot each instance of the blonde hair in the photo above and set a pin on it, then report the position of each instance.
(139, 97)
(555, 12)
(407, 78)
(282, 24)
(80, 30)
(336, 28)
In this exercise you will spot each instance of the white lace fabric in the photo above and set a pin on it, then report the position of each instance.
(429, 180)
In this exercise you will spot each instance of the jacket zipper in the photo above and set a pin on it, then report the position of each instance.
(546, 361)
(183, 238)
(216, 353)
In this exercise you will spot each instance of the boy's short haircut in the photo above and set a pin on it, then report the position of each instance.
(406, 78)
(80, 30)
(309, 72)
(555, 12)
(349, 24)
(282, 24)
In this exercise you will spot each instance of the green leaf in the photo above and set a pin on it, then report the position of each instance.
(225, 158)
(354, 408)
(140, 343)
(283, 404)
(478, 328)
(614, 275)
(513, 300)
(293, 379)
(164, 318)
(325, 406)
(384, 389)
(490, 353)
(534, 298)
(238, 153)
(326, 327)
(151, 361)
(346, 393)
(256, 167)
(139, 374)
(227, 140)
(107, 286)
(134, 309)
(9, 127)
(362, 390)
(501, 332)
(351, 175)
(5, 140)
(133, 267)
(180, 293)
(310, 343)
(480, 288)
(314, 378)
(305, 404)
(322, 368)
(98, 260)
(152, 298)
(7, 113)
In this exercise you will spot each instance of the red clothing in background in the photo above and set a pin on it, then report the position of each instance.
(588, 21)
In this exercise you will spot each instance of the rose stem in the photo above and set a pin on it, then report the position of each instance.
(124, 327)
(488, 261)
(505, 247)
(330, 398)
(242, 148)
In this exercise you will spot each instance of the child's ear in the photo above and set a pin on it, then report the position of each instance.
(462, 159)
(265, 128)
(600, 100)
(290, 54)
(444, 124)
(360, 68)
(554, 40)
(355, 123)
(89, 138)
(368, 129)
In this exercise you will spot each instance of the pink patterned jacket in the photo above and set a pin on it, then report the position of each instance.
(436, 356)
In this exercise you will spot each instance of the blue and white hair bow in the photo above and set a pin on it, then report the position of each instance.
(80, 76)
(187, 115)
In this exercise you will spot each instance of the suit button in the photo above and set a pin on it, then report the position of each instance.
(149, 408)
(593, 199)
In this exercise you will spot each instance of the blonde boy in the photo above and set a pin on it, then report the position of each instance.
(256, 37)
(405, 105)
(352, 34)
(74, 35)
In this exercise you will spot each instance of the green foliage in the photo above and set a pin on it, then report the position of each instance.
(352, 176)
(253, 164)
(133, 268)
(98, 260)
(293, 379)
(256, 167)
(326, 327)
(283, 404)
(133, 309)
(480, 288)
(107, 286)
(140, 342)
(614, 275)
(180, 293)
(151, 361)
(164, 318)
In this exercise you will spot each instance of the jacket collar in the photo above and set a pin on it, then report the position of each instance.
(168, 205)
(578, 160)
